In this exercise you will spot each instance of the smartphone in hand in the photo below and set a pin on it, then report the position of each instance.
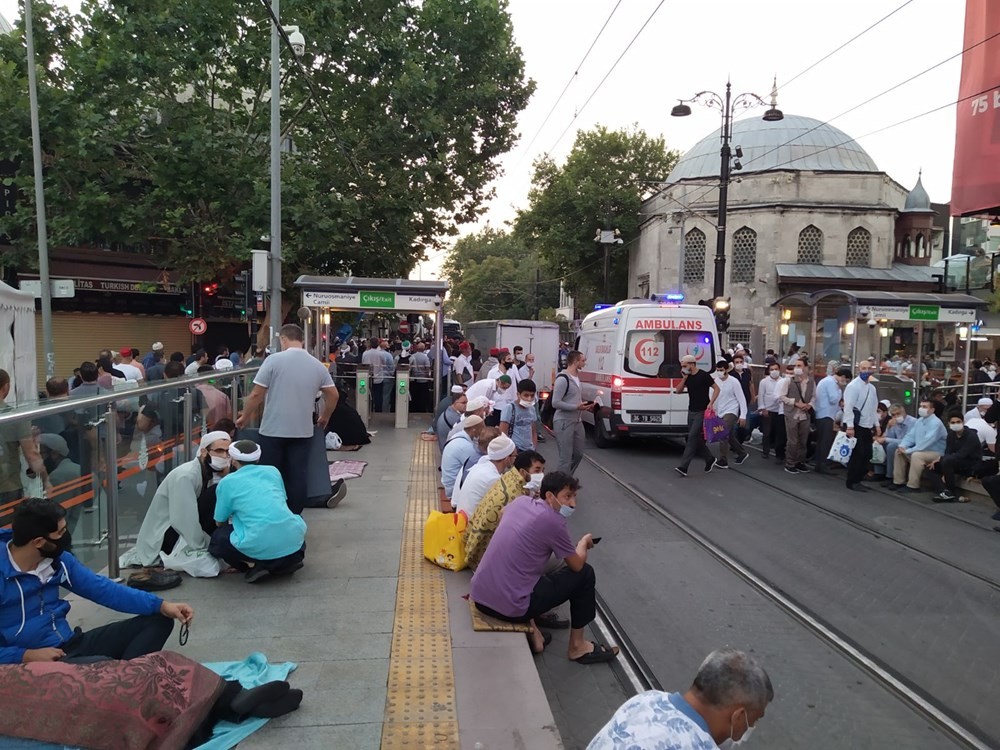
(596, 539)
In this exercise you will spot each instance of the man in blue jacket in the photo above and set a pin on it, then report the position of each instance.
(35, 562)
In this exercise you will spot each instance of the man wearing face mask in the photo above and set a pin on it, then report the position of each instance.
(962, 454)
(34, 564)
(772, 413)
(861, 422)
(528, 467)
(798, 394)
(520, 420)
(899, 424)
(829, 397)
(507, 366)
(732, 407)
(741, 372)
(511, 584)
(722, 707)
(183, 506)
(979, 410)
(923, 444)
(500, 455)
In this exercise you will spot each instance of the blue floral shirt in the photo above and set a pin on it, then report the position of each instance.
(654, 721)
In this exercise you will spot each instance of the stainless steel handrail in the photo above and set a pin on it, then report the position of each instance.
(46, 408)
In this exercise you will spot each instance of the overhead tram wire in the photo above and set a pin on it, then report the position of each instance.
(845, 44)
(607, 75)
(576, 72)
(858, 106)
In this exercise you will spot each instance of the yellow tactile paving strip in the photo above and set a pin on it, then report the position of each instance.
(420, 700)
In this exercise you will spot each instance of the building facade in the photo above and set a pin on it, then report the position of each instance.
(809, 209)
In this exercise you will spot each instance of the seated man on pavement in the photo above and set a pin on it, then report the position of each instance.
(500, 454)
(510, 583)
(475, 406)
(257, 532)
(183, 506)
(528, 467)
(33, 626)
(962, 454)
(898, 425)
(727, 699)
(450, 417)
(460, 454)
(921, 445)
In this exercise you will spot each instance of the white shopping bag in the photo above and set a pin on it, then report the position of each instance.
(842, 448)
(333, 441)
(195, 562)
(878, 453)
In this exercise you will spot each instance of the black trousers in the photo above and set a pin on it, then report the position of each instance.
(127, 639)
(377, 395)
(861, 456)
(992, 485)
(578, 588)
(222, 547)
(695, 447)
(948, 469)
(291, 457)
(775, 437)
(824, 441)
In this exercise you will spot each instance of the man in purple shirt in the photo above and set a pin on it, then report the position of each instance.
(510, 583)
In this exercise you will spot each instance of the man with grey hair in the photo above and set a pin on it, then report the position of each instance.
(728, 697)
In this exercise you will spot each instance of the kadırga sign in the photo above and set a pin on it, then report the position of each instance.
(976, 179)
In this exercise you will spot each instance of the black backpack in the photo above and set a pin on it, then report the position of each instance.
(548, 411)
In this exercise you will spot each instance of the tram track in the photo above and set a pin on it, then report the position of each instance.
(641, 678)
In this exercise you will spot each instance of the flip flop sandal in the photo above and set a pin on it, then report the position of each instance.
(599, 655)
(546, 640)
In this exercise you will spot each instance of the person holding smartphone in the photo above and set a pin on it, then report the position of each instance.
(567, 421)
(702, 392)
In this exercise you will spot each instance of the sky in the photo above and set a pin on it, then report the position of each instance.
(688, 47)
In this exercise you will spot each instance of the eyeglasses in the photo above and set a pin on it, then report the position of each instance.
(219, 451)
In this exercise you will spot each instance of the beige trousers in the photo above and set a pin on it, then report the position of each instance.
(909, 469)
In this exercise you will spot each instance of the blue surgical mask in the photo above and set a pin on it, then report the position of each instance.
(864, 375)
(566, 510)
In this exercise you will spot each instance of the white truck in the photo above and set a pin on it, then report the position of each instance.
(540, 338)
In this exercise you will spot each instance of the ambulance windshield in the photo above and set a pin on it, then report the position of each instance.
(657, 354)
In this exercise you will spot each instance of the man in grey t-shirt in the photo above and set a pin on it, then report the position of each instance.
(567, 420)
(290, 381)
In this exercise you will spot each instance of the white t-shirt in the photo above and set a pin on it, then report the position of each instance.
(131, 372)
(987, 435)
(481, 477)
(485, 388)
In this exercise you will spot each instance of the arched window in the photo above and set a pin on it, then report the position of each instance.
(859, 248)
(811, 245)
(921, 247)
(744, 256)
(694, 257)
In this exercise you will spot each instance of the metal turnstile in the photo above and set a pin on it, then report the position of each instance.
(363, 391)
(402, 397)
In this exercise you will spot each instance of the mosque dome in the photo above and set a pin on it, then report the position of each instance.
(5, 27)
(917, 201)
(794, 143)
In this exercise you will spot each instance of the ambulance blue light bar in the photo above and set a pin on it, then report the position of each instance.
(601, 306)
(674, 297)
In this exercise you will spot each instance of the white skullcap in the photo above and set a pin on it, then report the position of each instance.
(886, 403)
(158, 346)
(212, 437)
(499, 448)
(471, 421)
(223, 364)
(54, 442)
(457, 389)
(985, 401)
(477, 403)
(245, 458)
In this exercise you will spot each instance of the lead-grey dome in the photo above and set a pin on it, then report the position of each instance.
(794, 143)
(917, 201)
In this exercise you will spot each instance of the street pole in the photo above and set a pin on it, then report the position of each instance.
(274, 303)
(607, 273)
(43, 243)
(720, 241)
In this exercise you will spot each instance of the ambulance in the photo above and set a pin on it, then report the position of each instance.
(633, 356)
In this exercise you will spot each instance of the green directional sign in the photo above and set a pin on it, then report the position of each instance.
(379, 300)
(924, 312)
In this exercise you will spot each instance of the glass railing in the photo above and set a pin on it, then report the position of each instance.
(107, 453)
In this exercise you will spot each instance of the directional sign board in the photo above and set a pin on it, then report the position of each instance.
(61, 288)
(197, 326)
(925, 313)
(371, 300)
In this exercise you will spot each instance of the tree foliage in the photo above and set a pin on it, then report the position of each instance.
(603, 182)
(155, 123)
(493, 275)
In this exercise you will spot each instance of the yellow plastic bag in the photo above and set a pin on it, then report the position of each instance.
(444, 539)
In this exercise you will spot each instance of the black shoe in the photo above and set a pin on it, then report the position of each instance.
(742, 459)
(803, 469)
(287, 703)
(857, 488)
(766, 454)
(996, 516)
(722, 463)
(711, 465)
(339, 493)
(682, 470)
(256, 573)
(792, 470)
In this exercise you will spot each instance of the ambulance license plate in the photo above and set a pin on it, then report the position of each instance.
(647, 419)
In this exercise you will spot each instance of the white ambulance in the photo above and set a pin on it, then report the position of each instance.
(633, 352)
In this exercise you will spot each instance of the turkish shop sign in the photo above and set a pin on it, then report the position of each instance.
(371, 300)
(925, 313)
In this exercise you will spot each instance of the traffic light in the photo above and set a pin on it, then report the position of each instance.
(211, 289)
(721, 307)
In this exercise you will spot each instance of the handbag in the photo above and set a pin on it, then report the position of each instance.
(878, 453)
(714, 428)
(842, 449)
(548, 411)
(444, 539)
